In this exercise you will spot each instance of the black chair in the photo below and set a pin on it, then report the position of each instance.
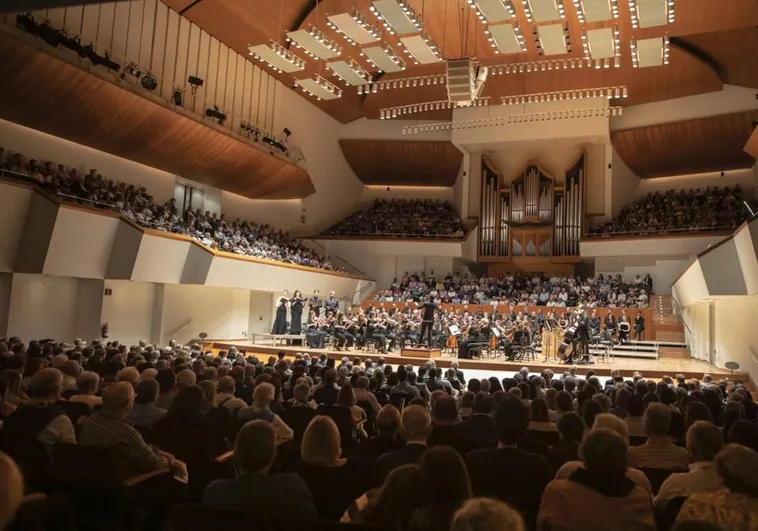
(298, 419)
(39, 512)
(74, 410)
(657, 476)
(637, 440)
(370, 425)
(33, 459)
(343, 419)
(665, 519)
(549, 437)
(400, 400)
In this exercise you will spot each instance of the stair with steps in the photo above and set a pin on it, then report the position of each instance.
(667, 325)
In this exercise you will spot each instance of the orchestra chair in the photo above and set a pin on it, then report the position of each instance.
(369, 345)
(657, 476)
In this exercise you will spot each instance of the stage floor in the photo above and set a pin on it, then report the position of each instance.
(691, 368)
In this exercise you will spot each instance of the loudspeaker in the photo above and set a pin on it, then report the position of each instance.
(192, 80)
(461, 81)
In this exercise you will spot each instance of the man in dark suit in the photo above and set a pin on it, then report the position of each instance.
(387, 440)
(414, 425)
(427, 321)
(480, 425)
(458, 373)
(255, 489)
(508, 473)
(445, 427)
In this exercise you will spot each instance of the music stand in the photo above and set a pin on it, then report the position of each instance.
(732, 366)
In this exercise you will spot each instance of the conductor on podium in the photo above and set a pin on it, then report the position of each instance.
(427, 322)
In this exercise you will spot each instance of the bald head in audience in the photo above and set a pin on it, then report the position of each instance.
(12, 490)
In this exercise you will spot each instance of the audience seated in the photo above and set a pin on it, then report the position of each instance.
(595, 495)
(678, 211)
(516, 289)
(255, 489)
(144, 412)
(446, 430)
(406, 218)
(571, 429)
(483, 514)
(136, 205)
(658, 451)
(415, 424)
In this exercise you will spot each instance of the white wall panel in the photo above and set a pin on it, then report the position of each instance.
(230, 80)
(129, 310)
(134, 31)
(260, 315)
(182, 55)
(410, 264)
(167, 74)
(73, 20)
(43, 307)
(160, 260)
(120, 29)
(14, 203)
(90, 23)
(89, 308)
(656, 247)
(147, 34)
(160, 36)
(201, 71)
(57, 16)
(212, 75)
(192, 69)
(105, 26)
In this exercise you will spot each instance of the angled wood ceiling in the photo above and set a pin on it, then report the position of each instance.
(401, 163)
(65, 101)
(725, 30)
(703, 145)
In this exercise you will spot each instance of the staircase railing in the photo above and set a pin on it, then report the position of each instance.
(349, 300)
(334, 258)
(181, 328)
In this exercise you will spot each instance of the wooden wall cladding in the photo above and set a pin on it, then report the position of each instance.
(708, 144)
(752, 144)
(56, 97)
(401, 163)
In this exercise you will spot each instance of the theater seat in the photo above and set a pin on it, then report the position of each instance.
(658, 475)
(298, 419)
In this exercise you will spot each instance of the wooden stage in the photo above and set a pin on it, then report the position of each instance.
(691, 368)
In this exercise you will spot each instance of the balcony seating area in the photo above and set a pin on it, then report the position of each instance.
(402, 218)
(137, 205)
(99, 431)
(515, 289)
(678, 212)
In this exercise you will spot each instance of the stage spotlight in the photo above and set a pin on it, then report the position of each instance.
(149, 82)
(131, 69)
(216, 115)
(178, 97)
(194, 83)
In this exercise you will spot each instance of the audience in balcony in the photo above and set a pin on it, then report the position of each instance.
(676, 211)
(402, 218)
(134, 203)
(406, 477)
(515, 289)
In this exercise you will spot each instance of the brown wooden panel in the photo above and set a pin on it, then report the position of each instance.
(54, 96)
(694, 146)
(752, 144)
(734, 51)
(401, 163)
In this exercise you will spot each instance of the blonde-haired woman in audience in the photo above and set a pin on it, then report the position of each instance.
(735, 507)
(484, 514)
(613, 423)
(333, 482)
(87, 384)
(346, 398)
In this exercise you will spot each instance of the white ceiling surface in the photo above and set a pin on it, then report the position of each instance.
(270, 56)
(380, 57)
(494, 10)
(552, 39)
(314, 87)
(653, 13)
(601, 43)
(505, 38)
(394, 15)
(597, 10)
(346, 73)
(348, 26)
(310, 43)
(544, 10)
(420, 49)
(650, 52)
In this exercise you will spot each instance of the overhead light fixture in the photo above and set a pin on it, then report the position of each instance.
(354, 28)
(396, 16)
(506, 38)
(650, 52)
(277, 57)
(384, 58)
(421, 49)
(314, 42)
(320, 88)
(216, 115)
(534, 66)
(612, 92)
(650, 13)
(489, 11)
(350, 72)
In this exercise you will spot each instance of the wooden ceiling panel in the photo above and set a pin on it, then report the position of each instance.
(703, 145)
(400, 163)
(752, 144)
(56, 97)
(734, 51)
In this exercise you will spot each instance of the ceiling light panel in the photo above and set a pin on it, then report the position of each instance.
(596, 10)
(491, 11)
(355, 28)
(349, 71)
(422, 49)
(650, 52)
(552, 39)
(320, 88)
(600, 43)
(544, 10)
(506, 38)
(384, 58)
(651, 13)
(277, 57)
(315, 43)
(396, 16)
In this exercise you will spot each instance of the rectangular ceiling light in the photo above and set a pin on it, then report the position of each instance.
(650, 52)
(552, 39)
(349, 71)
(650, 13)
(600, 43)
(384, 58)
(506, 38)
(355, 28)
(544, 10)
(277, 57)
(491, 11)
(596, 10)
(319, 88)
(422, 49)
(315, 43)
(396, 16)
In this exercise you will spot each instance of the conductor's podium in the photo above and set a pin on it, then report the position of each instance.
(420, 352)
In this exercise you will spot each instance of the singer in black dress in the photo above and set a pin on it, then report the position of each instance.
(280, 321)
(296, 313)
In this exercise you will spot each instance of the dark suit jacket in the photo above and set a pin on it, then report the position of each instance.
(275, 495)
(454, 437)
(409, 455)
(481, 427)
(511, 475)
(367, 452)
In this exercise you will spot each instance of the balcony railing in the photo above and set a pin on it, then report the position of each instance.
(658, 233)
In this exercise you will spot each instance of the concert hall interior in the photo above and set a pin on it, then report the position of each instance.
(261, 253)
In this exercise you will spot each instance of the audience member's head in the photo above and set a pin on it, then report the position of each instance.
(657, 420)
(12, 490)
(321, 442)
(485, 514)
(571, 428)
(255, 446)
(397, 499)
(263, 394)
(445, 487)
(88, 382)
(118, 399)
(415, 423)
(613, 423)
(604, 453)
(737, 466)
(704, 441)
(511, 420)
(47, 385)
(388, 421)
(146, 392)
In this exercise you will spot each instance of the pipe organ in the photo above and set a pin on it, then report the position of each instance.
(532, 218)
